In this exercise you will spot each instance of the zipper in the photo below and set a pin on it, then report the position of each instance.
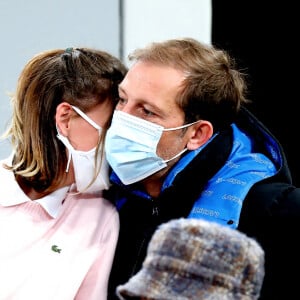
(155, 210)
(155, 213)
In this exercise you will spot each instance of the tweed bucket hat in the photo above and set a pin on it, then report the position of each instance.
(195, 259)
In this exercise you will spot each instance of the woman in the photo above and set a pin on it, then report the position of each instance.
(58, 234)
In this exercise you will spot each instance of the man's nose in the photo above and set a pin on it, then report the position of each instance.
(127, 107)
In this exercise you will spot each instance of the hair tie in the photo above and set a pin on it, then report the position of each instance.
(69, 50)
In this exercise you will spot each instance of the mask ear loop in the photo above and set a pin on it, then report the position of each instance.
(178, 154)
(176, 128)
(94, 124)
(69, 161)
(89, 120)
(68, 145)
(182, 126)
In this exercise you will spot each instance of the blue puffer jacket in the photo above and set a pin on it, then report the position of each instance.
(239, 179)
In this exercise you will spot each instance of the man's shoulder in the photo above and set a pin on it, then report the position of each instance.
(276, 199)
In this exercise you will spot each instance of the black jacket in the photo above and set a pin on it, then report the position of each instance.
(270, 212)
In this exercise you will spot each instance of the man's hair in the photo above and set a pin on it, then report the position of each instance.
(213, 89)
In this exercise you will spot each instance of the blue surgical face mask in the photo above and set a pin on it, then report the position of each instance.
(130, 147)
(84, 166)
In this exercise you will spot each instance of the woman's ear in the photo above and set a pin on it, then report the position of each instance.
(200, 133)
(62, 117)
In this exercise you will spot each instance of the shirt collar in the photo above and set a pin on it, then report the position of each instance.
(52, 202)
(12, 194)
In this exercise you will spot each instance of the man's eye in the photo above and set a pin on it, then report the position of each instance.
(147, 112)
(121, 101)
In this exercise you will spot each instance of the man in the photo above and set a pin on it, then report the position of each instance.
(182, 144)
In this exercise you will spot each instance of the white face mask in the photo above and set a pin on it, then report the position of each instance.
(131, 144)
(84, 163)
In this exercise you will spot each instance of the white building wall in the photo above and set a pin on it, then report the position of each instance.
(28, 27)
(145, 21)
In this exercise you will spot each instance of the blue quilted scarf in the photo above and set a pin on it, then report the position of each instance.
(222, 199)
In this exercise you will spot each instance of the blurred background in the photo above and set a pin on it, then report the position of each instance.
(261, 35)
(117, 26)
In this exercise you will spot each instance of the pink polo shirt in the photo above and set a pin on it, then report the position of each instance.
(60, 247)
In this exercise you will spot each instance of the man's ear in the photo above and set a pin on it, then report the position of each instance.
(200, 133)
(62, 117)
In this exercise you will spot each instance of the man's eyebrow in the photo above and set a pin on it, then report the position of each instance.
(143, 101)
